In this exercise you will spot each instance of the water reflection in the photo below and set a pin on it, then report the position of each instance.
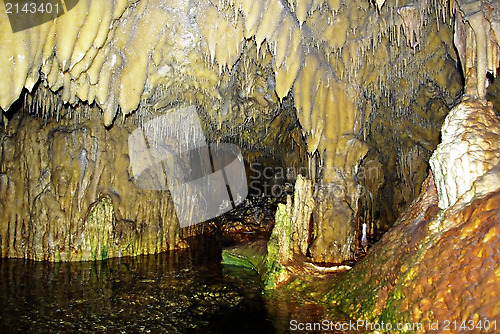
(186, 291)
(174, 292)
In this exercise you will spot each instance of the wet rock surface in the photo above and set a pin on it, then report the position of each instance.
(67, 194)
(349, 73)
(430, 267)
(470, 146)
(252, 219)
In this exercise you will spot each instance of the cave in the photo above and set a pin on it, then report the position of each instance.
(253, 166)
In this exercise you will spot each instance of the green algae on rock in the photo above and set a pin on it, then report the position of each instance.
(267, 258)
(250, 255)
(99, 229)
(279, 247)
(66, 194)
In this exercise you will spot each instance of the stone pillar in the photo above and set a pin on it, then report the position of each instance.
(336, 196)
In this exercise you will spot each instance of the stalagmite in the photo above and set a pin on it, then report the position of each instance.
(481, 35)
(303, 205)
(470, 146)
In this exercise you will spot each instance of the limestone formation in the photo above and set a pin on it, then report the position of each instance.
(67, 194)
(431, 267)
(470, 147)
(303, 205)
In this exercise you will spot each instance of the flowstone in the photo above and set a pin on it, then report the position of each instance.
(66, 194)
(470, 146)
(98, 230)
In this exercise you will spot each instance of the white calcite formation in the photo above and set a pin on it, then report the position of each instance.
(470, 147)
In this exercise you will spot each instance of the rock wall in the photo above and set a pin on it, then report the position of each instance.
(67, 193)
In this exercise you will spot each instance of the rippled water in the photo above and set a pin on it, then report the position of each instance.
(186, 291)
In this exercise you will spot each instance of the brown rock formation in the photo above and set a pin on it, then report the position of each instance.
(438, 265)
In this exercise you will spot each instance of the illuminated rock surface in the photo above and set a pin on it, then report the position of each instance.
(66, 195)
(440, 265)
(431, 266)
(470, 146)
(357, 93)
(352, 73)
(435, 266)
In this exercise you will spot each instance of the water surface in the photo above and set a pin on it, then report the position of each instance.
(186, 291)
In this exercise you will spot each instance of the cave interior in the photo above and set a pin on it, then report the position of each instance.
(367, 134)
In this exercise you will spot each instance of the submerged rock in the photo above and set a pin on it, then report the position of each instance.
(250, 255)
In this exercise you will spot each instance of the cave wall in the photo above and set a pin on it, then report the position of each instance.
(403, 130)
(67, 193)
